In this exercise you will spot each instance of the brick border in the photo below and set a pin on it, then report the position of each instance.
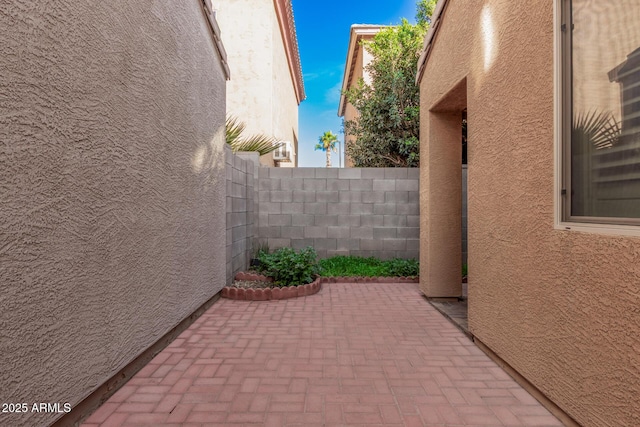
(275, 293)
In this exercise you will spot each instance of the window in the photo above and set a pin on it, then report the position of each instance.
(601, 111)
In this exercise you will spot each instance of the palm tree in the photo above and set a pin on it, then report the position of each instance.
(327, 143)
(262, 144)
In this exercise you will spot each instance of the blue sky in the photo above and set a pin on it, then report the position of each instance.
(323, 37)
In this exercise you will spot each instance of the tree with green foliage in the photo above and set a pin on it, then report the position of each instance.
(260, 143)
(388, 126)
(327, 143)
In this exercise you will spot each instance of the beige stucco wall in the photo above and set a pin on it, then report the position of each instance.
(560, 306)
(261, 90)
(112, 198)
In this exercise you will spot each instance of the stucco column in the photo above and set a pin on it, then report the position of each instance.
(441, 206)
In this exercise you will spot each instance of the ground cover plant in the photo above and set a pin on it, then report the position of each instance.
(353, 266)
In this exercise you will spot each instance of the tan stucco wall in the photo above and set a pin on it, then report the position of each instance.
(112, 213)
(560, 306)
(261, 90)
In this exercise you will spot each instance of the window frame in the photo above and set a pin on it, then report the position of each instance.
(563, 122)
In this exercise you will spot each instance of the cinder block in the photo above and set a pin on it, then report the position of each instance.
(361, 233)
(263, 219)
(279, 243)
(413, 173)
(238, 218)
(228, 204)
(337, 184)
(384, 232)
(337, 252)
(298, 244)
(413, 245)
(360, 185)
(314, 184)
(327, 172)
(238, 233)
(303, 173)
(315, 208)
(313, 232)
(269, 232)
(292, 232)
(290, 184)
(271, 207)
(395, 173)
(384, 185)
(350, 173)
(302, 220)
(370, 245)
(280, 172)
(361, 209)
(279, 219)
(411, 255)
(395, 221)
(372, 197)
(339, 208)
(321, 254)
(264, 196)
(324, 244)
(350, 196)
(239, 205)
(364, 254)
(281, 196)
(348, 244)
(238, 190)
(408, 209)
(263, 172)
(372, 220)
(327, 196)
(396, 196)
(268, 184)
(409, 232)
(372, 173)
(326, 220)
(349, 220)
(394, 244)
(292, 208)
(413, 220)
(304, 196)
(407, 185)
(338, 232)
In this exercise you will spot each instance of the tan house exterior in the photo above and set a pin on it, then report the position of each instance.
(553, 295)
(112, 213)
(357, 59)
(266, 83)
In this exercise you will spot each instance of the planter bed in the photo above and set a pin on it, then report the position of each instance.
(265, 293)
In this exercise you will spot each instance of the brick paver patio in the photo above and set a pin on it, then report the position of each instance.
(353, 354)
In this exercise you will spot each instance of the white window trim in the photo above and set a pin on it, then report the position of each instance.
(558, 165)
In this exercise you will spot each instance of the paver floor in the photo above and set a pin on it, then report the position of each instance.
(353, 354)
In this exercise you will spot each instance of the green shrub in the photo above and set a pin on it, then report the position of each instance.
(402, 267)
(288, 268)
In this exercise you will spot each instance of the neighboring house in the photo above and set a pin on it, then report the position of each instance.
(112, 166)
(266, 83)
(554, 209)
(357, 59)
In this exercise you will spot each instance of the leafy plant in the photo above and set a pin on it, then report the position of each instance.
(288, 267)
(465, 270)
(387, 128)
(259, 143)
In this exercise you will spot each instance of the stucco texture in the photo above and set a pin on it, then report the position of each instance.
(112, 213)
(560, 306)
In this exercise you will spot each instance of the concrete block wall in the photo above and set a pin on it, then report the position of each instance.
(356, 211)
(240, 206)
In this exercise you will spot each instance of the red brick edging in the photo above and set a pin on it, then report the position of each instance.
(275, 293)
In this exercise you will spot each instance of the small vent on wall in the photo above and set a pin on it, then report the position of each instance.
(283, 153)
